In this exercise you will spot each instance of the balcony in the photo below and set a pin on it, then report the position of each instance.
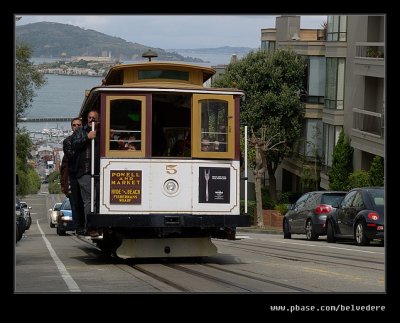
(370, 59)
(368, 131)
(368, 122)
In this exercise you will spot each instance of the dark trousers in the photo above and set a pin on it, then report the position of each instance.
(85, 186)
(78, 213)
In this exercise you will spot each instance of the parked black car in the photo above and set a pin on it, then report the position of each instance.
(308, 215)
(26, 209)
(359, 217)
(19, 220)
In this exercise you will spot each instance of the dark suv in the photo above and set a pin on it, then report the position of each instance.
(308, 215)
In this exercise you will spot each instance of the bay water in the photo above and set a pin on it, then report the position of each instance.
(62, 95)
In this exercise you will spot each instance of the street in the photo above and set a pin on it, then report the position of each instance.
(254, 263)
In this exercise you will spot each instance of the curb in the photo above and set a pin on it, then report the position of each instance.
(259, 230)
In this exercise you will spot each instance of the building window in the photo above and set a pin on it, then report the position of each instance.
(268, 45)
(334, 85)
(330, 138)
(316, 66)
(337, 28)
(311, 141)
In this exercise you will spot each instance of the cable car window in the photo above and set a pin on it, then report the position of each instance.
(125, 124)
(163, 74)
(214, 124)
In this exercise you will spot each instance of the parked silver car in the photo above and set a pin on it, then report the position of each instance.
(64, 220)
(53, 214)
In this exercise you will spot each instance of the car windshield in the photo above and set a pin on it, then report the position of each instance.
(57, 206)
(67, 205)
(332, 199)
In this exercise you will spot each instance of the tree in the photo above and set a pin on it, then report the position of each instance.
(342, 164)
(272, 109)
(29, 180)
(376, 172)
(24, 144)
(262, 145)
(54, 183)
(310, 175)
(27, 80)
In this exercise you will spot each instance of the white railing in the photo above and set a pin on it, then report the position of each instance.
(369, 122)
(370, 50)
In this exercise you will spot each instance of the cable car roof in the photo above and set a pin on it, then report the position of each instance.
(158, 72)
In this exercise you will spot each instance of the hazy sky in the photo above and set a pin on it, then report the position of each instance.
(178, 31)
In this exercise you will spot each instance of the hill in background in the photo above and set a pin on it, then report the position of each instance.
(50, 39)
(241, 51)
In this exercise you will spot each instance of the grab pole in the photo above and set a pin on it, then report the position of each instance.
(245, 169)
(92, 176)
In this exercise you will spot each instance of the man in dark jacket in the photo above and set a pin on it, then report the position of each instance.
(81, 142)
(69, 182)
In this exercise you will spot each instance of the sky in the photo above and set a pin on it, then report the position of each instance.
(177, 31)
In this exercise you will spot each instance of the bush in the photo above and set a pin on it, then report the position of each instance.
(376, 172)
(342, 164)
(267, 202)
(358, 179)
(251, 209)
(282, 208)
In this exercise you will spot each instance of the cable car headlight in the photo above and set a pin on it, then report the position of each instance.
(171, 186)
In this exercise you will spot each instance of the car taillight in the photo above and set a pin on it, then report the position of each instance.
(373, 216)
(323, 208)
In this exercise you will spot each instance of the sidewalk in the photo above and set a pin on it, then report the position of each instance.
(255, 229)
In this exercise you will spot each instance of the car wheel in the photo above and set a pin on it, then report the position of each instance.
(23, 226)
(28, 223)
(310, 234)
(19, 233)
(359, 234)
(60, 232)
(286, 232)
(330, 234)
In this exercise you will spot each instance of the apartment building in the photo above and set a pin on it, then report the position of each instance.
(344, 89)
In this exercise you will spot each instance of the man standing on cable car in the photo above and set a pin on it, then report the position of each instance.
(81, 142)
(69, 183)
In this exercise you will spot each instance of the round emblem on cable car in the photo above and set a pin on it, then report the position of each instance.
(171, 187)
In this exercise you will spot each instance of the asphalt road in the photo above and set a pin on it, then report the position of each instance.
(256, 262)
